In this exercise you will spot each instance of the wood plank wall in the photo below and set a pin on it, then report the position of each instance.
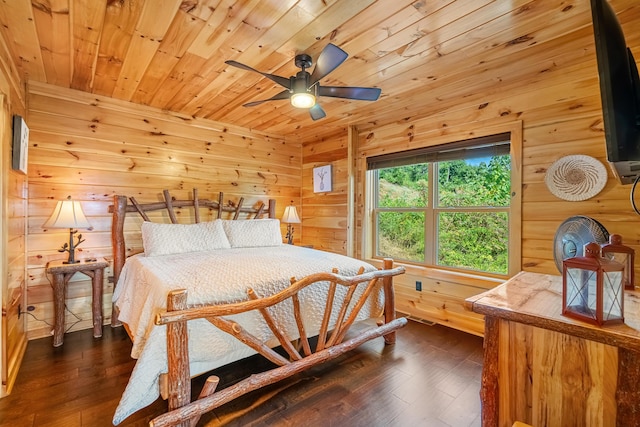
(92, 147)
(559, 106)
(13, 211)
(324, 214)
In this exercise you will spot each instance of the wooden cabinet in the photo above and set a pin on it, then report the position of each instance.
(546, 369)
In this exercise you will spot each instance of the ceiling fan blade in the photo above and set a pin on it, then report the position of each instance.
(317, 112)
(285, 94)
(282, 81)
(330, 58)
(359, 93)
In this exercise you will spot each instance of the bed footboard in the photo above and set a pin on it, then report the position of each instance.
(330, 341)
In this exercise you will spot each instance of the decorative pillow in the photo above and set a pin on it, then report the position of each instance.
(253, 233)
(165, 239)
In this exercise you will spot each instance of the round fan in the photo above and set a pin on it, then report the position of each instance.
(303, 88)
(573, 234)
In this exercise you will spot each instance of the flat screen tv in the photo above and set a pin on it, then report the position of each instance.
(620, 92)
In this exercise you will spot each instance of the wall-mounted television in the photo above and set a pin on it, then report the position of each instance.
(620, 92)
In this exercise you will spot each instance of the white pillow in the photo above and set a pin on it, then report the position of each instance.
(165, 239)
(253, 233)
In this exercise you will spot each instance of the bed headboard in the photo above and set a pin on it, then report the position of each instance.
(121, 207)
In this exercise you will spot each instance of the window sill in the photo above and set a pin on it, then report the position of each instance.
(463, 278)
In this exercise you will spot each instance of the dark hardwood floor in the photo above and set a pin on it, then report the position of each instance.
(430, 377)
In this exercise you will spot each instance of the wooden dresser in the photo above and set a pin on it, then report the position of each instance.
(546, 369)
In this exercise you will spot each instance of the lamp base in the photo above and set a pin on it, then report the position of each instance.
(289, 235)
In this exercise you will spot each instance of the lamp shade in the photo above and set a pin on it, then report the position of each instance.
(290, 215)
(67, 214)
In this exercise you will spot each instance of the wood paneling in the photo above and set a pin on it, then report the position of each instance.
(93, 147)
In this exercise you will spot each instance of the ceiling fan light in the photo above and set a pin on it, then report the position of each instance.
(303, 100)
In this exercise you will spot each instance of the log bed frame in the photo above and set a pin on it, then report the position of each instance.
(175, 385)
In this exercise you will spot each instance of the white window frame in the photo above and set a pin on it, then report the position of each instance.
(515, 209)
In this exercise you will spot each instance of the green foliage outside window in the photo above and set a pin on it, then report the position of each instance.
(471, 213)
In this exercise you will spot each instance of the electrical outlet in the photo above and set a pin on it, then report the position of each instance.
(418, 286)
(31, 308)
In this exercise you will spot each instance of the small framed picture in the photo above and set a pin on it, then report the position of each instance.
(20, 144)
(322, 179)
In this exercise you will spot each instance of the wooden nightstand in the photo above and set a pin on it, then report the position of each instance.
(61, 273)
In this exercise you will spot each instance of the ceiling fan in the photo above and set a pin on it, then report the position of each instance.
(304, 88)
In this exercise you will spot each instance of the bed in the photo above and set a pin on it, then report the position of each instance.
(209, 292)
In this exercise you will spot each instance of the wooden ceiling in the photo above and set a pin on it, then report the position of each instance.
(170, 54)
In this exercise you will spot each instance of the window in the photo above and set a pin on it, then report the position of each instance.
(445, 206)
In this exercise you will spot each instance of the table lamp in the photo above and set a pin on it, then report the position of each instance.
(290, 217)
(68, 214)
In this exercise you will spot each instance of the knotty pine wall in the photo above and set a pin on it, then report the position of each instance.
(325, 214)
(13, 211)
(557, 106)
(92, 147)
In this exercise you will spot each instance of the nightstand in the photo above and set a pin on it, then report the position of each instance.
(61, 273)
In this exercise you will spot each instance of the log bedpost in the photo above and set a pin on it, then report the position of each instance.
(389, 301)
(179, 376)
(272, 208)
(118, 245)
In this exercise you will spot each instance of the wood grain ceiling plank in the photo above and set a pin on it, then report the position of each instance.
(119, 26)
(201, 9)
(406, 102)
(348, 71)
(54, 32)
(254, 33)
(380, 22)
(426, 33)
(155, 19)
(87, 18)
(183, 30)
(432, 69)
(331, 18)
(186, 80)
(244, 36)
(367, 64)
(465, 23)
(275, 112)
(213, 109)
(261, 55)
(192, 61)
(19, 31)
(225, 20)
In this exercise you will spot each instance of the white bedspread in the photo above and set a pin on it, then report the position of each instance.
(218, 276)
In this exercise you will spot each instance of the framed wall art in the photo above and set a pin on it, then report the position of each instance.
(322, 179)
(20, 144)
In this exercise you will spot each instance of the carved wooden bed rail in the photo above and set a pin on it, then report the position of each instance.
(330, 344)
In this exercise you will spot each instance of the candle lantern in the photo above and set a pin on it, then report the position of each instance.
(625, 255)
(592, 289)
